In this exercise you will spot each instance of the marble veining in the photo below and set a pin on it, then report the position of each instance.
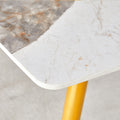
(24, 21)
(82, 44)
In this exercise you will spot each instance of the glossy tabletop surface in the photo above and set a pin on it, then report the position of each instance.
(83, 44)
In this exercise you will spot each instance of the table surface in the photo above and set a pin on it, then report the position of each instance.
(83, 44)
(20, 96)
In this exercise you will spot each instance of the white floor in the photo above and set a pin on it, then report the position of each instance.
(21, 99)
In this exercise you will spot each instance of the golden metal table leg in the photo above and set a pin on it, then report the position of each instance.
(74, 101)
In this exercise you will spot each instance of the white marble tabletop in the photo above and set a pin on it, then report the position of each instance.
(21, 99)
(82, 44)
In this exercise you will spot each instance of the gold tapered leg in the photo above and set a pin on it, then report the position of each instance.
(74, 101)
